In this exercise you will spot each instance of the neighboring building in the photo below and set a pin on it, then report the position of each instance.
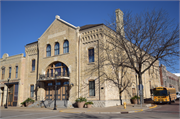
(178, 75)
(60, 57)
(12, 68)
(168, 79)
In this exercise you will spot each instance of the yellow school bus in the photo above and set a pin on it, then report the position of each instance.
(164, 95)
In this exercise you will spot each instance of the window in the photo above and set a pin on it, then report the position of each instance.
(91, 88)
(48, 51)
(3, 73)
(133, 91)
(56, 49)
(66, 46)
(9, 72)
(91, 55)
(59, 67)
(50, 84)
(16, 93)
(33, 65)
(16, 71)
(32, 91)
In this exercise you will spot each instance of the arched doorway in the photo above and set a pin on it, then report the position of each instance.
(60, 80)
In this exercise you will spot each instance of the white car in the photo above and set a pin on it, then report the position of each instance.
(178, 95)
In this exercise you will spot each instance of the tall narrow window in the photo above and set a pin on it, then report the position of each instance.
(33, 65)
(16, 93)
(66, 46)
(91, 88)
(32, 91)
(9, 72)
(56, 49)
(48, 51)
(91, 55)
(16, 71)
(3, 73)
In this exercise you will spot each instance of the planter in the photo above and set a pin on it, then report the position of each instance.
(134, 101)
(80, 104)
(89, 105)
(28, 103)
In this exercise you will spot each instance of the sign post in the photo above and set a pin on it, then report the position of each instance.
(141, 92)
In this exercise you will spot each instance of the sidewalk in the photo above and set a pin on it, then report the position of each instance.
(110, 110)
(130, 108)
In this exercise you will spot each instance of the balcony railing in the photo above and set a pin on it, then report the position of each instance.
(53, 75)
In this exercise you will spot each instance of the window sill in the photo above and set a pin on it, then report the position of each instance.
(91, 63)
(32, 72)
(91, 97)
(57, 55)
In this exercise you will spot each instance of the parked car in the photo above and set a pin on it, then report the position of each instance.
(178, 95)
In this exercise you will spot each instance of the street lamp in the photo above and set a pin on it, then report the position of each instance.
(7, 94)
(55, 91)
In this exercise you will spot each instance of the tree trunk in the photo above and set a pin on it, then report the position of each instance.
(120, 99)
(140, 82)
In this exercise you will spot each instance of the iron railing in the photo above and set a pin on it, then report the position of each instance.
(53, 75)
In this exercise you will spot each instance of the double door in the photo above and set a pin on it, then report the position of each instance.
(62, 92)
(13, 95)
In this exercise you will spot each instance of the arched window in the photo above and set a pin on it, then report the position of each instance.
(48, 50)
(3, 72)
(61, 68)
(56, 49)
(91, 55)
(66, 46)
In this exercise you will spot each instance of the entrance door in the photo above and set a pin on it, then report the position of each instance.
(65, 92)
(62, 91)
(10, 96)
(49, 93)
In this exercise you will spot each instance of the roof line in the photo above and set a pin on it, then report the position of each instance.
(58, 18)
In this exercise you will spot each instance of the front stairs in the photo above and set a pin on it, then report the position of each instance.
(50, 104)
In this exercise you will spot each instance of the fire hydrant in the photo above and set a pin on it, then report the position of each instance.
(124, 105)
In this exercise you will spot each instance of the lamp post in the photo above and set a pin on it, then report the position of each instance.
(7, 94)
(55, 91)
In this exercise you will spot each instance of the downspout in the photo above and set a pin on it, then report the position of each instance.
(99, 73)
(37, 69)
(78, 62)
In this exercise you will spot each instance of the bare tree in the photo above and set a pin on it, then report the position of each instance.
(146, 39)
(111, 61)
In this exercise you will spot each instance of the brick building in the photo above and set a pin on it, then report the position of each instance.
(168, 79)
(60, 57)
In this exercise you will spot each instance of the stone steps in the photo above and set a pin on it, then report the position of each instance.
(50, 104)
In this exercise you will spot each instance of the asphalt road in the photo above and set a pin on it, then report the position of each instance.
(163, 111)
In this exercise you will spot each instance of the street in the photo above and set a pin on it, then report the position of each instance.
(162, 111)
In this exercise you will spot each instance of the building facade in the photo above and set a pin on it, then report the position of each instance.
(61, 58)
(168, 79)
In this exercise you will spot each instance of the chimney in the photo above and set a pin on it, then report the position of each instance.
(119, 22)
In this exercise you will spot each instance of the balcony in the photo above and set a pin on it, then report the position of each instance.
(52, 76)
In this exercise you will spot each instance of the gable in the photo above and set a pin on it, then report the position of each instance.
(57, 28)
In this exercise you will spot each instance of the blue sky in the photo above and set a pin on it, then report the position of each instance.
(23, 22)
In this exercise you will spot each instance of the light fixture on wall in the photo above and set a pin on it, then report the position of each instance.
(71, 84)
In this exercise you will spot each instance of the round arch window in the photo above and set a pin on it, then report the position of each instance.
(59, 67)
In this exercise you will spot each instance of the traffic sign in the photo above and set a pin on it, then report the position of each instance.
(140, 87)
(140, 92)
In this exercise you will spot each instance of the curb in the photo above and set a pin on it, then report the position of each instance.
(153, 107)
(111, 112)
(103, 112)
